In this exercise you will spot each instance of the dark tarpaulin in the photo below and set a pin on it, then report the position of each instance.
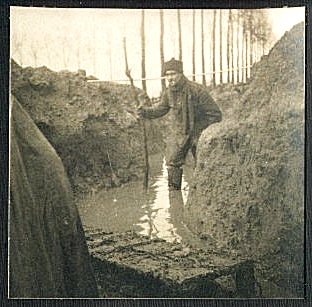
(48, 255)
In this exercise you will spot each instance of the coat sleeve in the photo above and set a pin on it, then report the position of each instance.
(158, 110)
(207, 112)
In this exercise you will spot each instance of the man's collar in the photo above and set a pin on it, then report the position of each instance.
(179, 86)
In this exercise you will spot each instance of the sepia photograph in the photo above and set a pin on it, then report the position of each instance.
(156, 153)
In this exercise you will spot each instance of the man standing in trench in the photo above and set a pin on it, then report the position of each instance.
(190, 109)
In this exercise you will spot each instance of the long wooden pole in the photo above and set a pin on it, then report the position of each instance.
(145, 149)
(162, 57)
(143, 50)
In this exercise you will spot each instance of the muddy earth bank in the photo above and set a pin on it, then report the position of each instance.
(248, 191)
(90, 125)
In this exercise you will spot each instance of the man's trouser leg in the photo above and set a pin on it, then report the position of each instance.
(175, 156)
(175, 177)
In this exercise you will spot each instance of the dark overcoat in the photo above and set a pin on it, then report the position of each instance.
(48, 254)
(190, 109)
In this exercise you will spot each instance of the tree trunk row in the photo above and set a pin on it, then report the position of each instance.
(236, 66)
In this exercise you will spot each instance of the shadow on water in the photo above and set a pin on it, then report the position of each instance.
(158, 213)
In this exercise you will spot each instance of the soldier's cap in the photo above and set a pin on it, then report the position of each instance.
(173, 64)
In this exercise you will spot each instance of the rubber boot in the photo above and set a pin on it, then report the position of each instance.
(175, 178)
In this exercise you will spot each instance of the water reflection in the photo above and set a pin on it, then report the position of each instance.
(157, 220)
(157, 213)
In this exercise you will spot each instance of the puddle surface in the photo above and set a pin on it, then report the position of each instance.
(157, 213)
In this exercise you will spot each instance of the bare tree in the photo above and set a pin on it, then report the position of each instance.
(264, 31)
(244, 46)
(256, 33)
(143, 50)
(246, 50)
(231, 44)
(109, 51)
(193, 50)
(162, 57)
(220, 44)
(228, 44)
(180, 35)
(214, 48)
(64, 51)
(238, 19)
(256, 39)
(34, 52)
(77, 53)
(203, 47)
(259, 32)
(94, 52)
(17, 49)
(250, 37)
(252, 31)
(47, 46)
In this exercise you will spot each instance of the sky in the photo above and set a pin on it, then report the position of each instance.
(91, 39)
(283, 19)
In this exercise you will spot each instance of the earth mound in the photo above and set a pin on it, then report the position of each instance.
(90, 124)
(248, 191)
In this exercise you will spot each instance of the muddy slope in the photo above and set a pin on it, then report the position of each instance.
(249, 181)
(99, 142)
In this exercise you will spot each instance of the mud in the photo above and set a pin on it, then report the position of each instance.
(129, 265)
(248, 189)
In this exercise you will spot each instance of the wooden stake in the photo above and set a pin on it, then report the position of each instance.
(145, 149)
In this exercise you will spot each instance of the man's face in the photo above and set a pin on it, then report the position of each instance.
(172, 77)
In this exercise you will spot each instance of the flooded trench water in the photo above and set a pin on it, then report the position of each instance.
(157, 213)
